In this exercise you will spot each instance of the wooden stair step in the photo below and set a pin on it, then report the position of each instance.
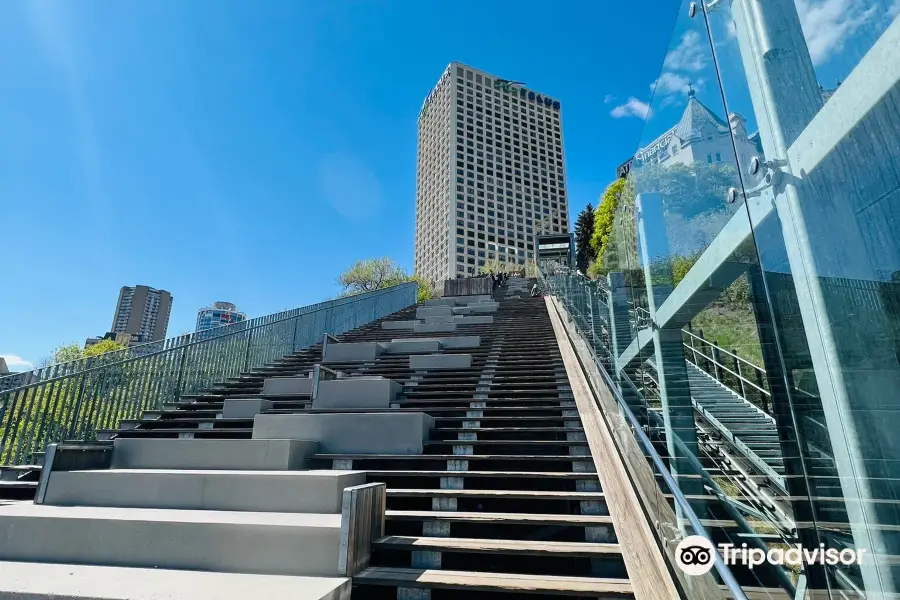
(442, 456)
(442, 544)
(508, 518)
(511, 429)
(501, 474)
(518, 494)
(495, 582)
(507, 442)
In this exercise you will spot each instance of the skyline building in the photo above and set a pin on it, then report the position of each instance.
(143, 311)
(220, 313)
(490, 173)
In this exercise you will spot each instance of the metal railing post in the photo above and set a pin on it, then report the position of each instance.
(247, 353)
(714, 353)
(737, 364)
(179, 382)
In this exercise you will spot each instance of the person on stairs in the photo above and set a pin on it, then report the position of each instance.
(534, 291)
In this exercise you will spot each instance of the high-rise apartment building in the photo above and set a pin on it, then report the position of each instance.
(144, 311)
(220, 313)
(490, 175)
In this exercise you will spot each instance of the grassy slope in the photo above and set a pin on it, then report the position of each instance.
(732, 327)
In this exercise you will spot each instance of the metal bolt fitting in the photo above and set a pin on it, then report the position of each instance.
(692, 9)
(732, 195)
(754, 165)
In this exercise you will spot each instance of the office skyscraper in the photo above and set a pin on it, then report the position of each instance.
(490, 173)
(144, 311)
(220, 313)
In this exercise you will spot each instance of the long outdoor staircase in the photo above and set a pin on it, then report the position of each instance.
(504, 497)
(737, 421)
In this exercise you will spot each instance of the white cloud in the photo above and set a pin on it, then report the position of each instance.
(672, 88)
(827, 24)
(688, 55)
(670, 83)
(731, 30)
(350, 187)
(16, 363)
(609, 98)
(894, 10)
(632, 108)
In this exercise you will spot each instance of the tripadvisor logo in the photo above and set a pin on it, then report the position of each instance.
(695, 555)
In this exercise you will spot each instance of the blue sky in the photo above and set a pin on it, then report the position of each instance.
(250, 151)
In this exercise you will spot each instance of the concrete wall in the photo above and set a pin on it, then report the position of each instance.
(399, 324)
(244, 408)
(39, 581)
(287, 386)
(434, 362)
(263, 491)
(350, 433)
(253, 455)
(435, 327)
(357, 392)
(352, 352)
(411, 346)
(266, 543)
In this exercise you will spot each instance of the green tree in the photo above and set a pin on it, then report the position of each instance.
(584, 230)
(371, 274)
(374, 274)
(604, 216)
(64, 353)
(427, 290)
(102, 347)
(688, 190)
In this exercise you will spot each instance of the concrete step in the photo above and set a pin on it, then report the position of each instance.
(202, 540)
(220, 434)
(23, 580)
(256, 491)
(249, 455)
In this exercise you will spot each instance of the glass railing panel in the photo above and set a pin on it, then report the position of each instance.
(821, 82)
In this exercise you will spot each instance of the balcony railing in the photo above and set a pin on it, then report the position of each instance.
(71, 401)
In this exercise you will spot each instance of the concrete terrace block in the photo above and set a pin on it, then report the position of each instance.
(483, 308)
(352, 352)
(21, 581)
(287, 386)
(399, 324)
(252, 491)
(357, 392)
(411, 346)
(470, 300)
(459, 341)
(461, 310)
(202, 540)
(351, 433)
(474, 320)
(436, 327)
(449, 301)
(440, 319)
(250, 455)
(423, 312)
(440, 361)
(244, 408)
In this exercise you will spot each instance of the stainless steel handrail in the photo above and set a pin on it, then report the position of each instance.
(719, 565)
